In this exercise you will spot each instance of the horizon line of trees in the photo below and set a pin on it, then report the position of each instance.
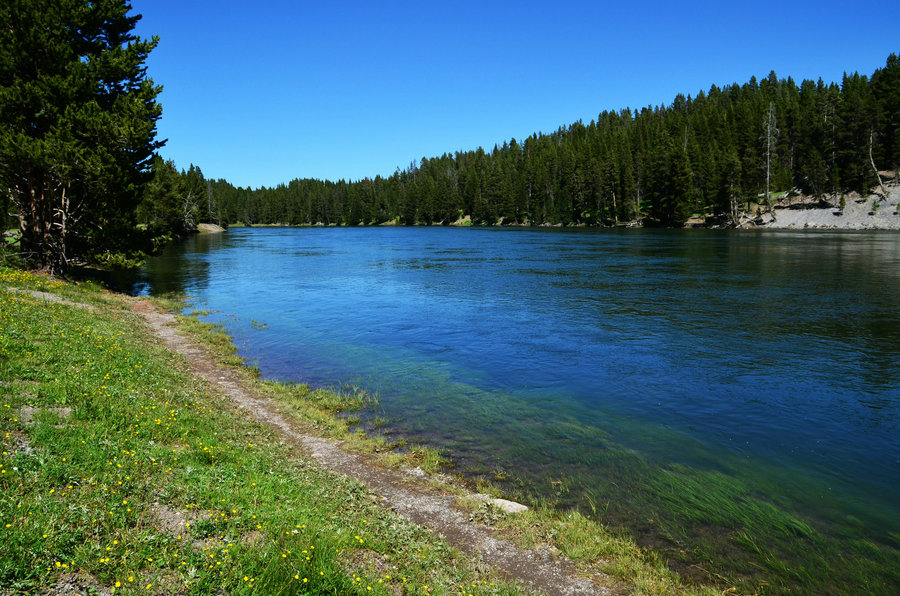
(718, 152)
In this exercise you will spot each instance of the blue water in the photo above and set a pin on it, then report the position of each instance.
(532, 353)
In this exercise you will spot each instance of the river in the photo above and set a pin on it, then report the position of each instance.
(715, 392)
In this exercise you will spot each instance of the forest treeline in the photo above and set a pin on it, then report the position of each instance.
(715, 153)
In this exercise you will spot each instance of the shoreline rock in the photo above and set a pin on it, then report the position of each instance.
(208, 228)
(871, 212)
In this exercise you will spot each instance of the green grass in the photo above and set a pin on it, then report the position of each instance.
(119, 466)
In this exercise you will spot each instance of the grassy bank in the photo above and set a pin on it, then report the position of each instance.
(121, 472)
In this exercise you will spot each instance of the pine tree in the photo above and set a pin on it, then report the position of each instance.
(195, 205)
(855, 124)
(886, 91)
(77, 124)
(729, 187)
(161, 207)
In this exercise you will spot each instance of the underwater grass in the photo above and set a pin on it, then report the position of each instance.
(710, 527)
(764, 545)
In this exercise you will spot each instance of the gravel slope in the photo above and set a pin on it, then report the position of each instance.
(859, 213)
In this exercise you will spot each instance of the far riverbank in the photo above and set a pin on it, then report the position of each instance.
(871, 212)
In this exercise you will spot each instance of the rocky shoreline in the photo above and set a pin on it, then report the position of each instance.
(872, 212)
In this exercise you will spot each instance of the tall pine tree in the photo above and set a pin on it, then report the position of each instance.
(77, 124)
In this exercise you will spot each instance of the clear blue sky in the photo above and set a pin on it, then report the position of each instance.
(262, 93)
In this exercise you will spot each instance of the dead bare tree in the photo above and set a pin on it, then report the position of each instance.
(770, 136)
(189, 208)
(872, 161)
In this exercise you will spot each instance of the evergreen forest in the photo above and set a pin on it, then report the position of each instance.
(720, 153)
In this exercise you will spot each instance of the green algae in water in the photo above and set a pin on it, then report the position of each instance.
(709, 523)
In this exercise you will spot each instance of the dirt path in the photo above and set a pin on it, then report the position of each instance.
(541, 570)
(51, 298)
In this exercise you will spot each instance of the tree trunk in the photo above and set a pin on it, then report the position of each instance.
(46, 218)
(615, 209)
(735, 215)
(34, 222)
(872, 161)
(771, 134)
(638, 196)
(63, 212)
